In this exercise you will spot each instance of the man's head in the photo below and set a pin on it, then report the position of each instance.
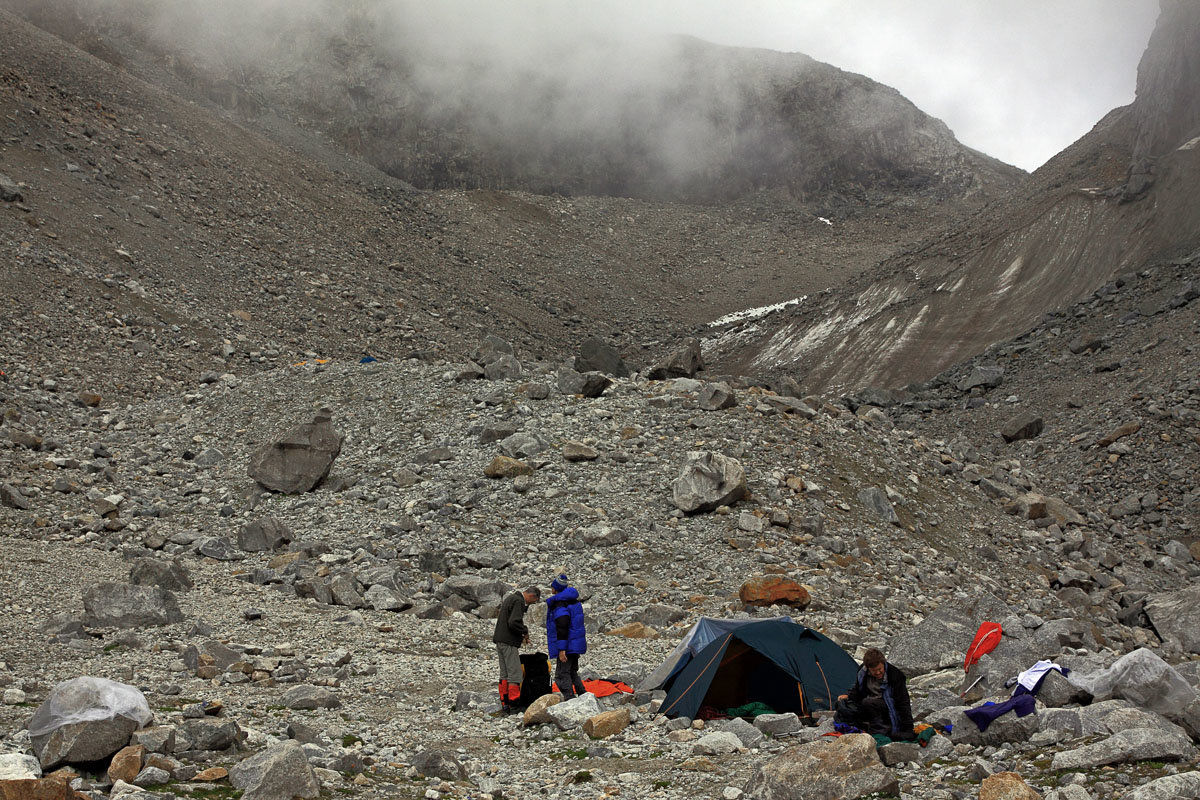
(532, 595)
(874, 662)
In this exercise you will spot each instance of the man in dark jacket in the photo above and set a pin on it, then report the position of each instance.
(878, 703)
(566, 638)
(510, 634)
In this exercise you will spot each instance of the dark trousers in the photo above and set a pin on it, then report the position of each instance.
(566, 675)
(869, 716)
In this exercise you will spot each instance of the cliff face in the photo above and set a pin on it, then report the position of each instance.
(666, 118)
(1123, 196)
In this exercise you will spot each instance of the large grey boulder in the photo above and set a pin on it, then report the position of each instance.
(847, 767)
(264, 534)
(124, 605)
(281, 772)
(876, 501)
(1005, 729)
(310, 697)
(1176, 615)
(169, 575)
(747, 734)
(1142, 678)
(717, 743)
(1131, 744)
(504, 368)
(683, 363)
(1026, 425)
(1185, 786)
(708, 480)
(523, 445)
(210, 652)
(988, 377)
(946, 633)
(300, 459)
(10, 192)
(597, 355)
(491, 348)
(474, 589)
(86, 719)
(19, 767)
(777, 724)
(716, 396)
(574, 712)
(208, 734)
(439, 764)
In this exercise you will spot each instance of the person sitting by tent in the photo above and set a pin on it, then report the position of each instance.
(566, 638)
(878, 703)
(510, 634)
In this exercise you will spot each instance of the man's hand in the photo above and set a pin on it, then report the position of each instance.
(562, 656)
(525, 639)
(843, 697)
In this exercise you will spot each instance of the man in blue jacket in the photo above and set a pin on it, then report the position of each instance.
(566, 638)
(878, 702)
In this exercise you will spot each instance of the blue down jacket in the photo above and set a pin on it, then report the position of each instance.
(564, 623)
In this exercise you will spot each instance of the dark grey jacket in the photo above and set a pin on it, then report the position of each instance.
(510, 623)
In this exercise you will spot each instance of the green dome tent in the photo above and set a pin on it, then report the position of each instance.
(728, 663)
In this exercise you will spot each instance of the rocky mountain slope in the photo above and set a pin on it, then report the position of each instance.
(412, 93)
(1119, 199)
(182, 290)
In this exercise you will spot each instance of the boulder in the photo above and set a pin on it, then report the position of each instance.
(219, 548)
(777, 724)
(1006, 786)
(169, 575)
(124, 605)
(126, 764)
(607, 723)
(574, 712)
(876, 501)
(596, 355)
(1176, 615)
(506, 367)
(716, 743)
(716, 396)
(11, 496)
(264, 534)
(300, 459)
(1184, 786)
(310, 697)
(982, 376)
(439, 764)
(280, 772)
(847, 767)
(591, 384)
(770, 590)
(208, 733)
(19, 767)
(1023, 426)
(523, 445)
(683, 363)
(536, 713)
(944, 633)
(86, 719)
(1131, 744)
(1142, 678)
(10, 192)
(789, 405)
(53, 787)
(578, 451)
(708, 480)
(209, 653)
(490, 349)
(747, 734)
(899, 753)
(505, 467)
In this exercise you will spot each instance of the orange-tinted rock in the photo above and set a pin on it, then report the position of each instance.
(211, 775)
(1006, 786)
(607, 723)
(48, 788)
(633, 630)
(126, 764)
(770, 590)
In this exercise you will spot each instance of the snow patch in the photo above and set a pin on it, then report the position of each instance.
(1192, 145)
(1010, 274)
(827, 222)
(756, 313)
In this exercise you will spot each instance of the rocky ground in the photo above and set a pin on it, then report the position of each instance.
(408, 520)
(180, 291)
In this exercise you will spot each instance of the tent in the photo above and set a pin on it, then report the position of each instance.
(727, 663)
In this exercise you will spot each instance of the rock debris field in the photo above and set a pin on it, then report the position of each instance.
(338, 640)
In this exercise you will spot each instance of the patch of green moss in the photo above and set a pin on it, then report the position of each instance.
(583, 776)
(349, 740)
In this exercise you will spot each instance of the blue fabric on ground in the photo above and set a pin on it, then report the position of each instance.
(986, 714)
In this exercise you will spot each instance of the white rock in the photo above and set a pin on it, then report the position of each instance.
(717, 743)
(573, 713)
(18, 767)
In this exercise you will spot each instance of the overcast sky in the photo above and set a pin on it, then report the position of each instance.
(1018, 79)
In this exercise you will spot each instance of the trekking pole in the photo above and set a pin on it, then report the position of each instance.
(972, 686)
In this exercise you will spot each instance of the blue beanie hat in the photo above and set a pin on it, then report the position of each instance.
(559, 583)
